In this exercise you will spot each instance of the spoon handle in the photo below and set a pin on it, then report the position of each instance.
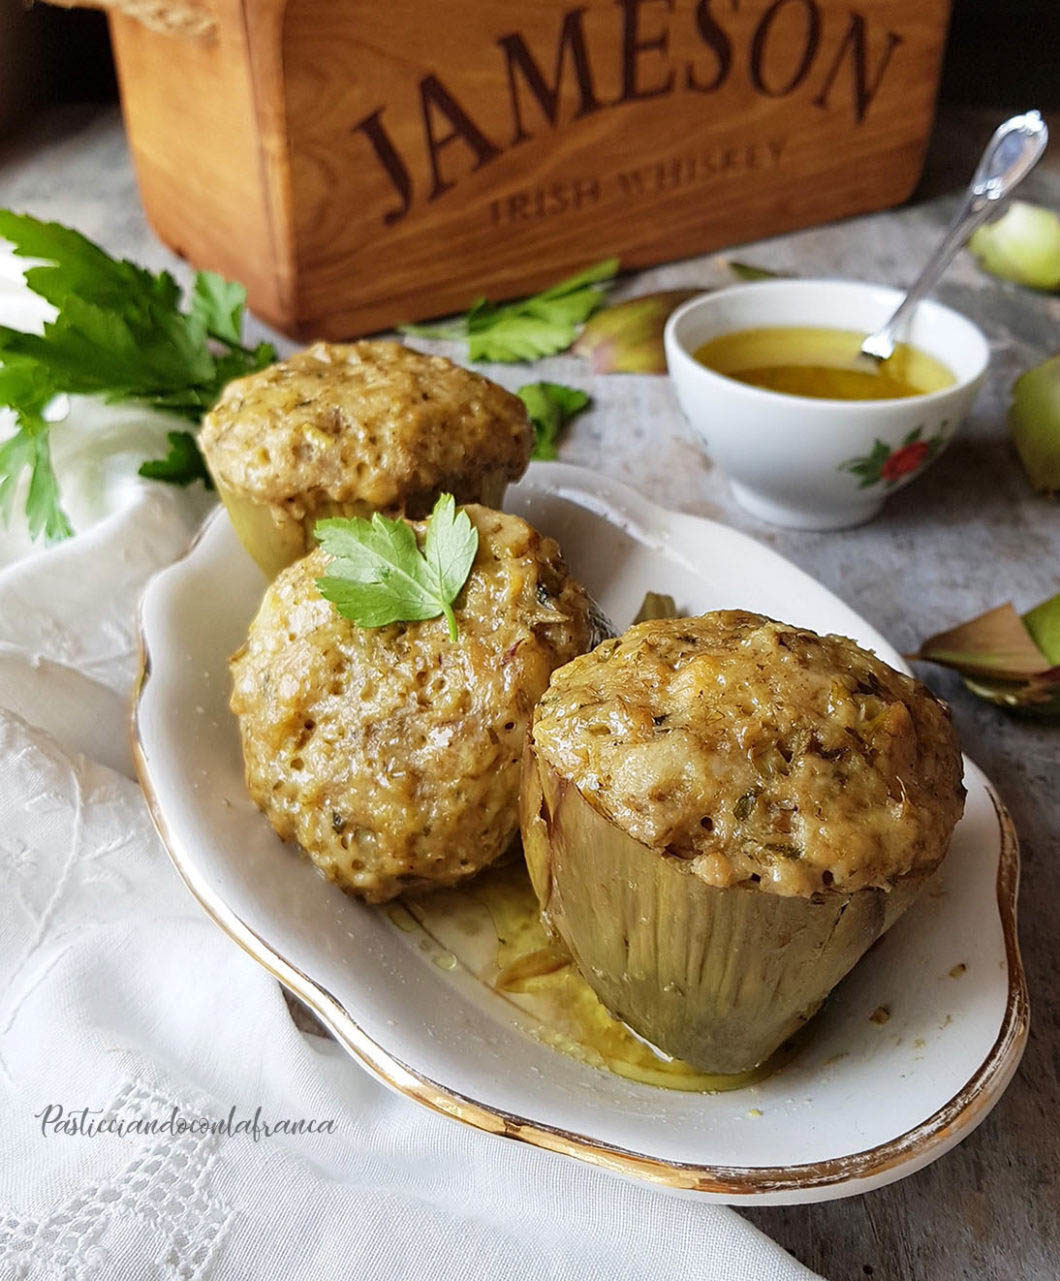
(1009, 157)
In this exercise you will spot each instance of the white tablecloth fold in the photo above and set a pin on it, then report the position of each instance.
(120, 997)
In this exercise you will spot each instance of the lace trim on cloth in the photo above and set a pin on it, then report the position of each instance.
(160, 1197)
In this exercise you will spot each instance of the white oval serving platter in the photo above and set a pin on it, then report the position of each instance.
(863, 1103)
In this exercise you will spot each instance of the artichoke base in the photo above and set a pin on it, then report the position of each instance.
(717, 977)
(279, 533)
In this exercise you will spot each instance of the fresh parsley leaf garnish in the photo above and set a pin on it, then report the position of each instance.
(119, 333)
(28, 390)
(219, 304)
(551, 406)
(379, 574)
(541, 325)
(182, 465)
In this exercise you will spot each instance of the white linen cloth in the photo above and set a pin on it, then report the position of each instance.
(119, 996)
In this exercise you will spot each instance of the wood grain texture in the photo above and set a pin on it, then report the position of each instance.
(360, 164)
(967, 536)
(199, 148)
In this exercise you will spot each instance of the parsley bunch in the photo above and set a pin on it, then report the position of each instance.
(120, 334)
(529, 328)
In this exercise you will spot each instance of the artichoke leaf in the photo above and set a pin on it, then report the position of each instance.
(995, 644)
(1043, 623)
(1034, 421)
(1022, 245)
(1011, 661)
(656, 605)
(748, 271)
(627, 338)
(1038, 697)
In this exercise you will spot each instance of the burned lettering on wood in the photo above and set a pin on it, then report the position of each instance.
(358, 165)
(783, 53)
(521, 62)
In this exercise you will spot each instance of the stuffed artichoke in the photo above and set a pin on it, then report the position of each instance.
(349, 429)
(392, 754)
(721, 814)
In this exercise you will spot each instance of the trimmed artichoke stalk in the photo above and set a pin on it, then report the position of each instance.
(717, 977)
(277, 534)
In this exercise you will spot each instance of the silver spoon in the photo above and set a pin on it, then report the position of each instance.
(1009, 157)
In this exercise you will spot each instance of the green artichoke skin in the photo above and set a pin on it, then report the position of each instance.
(1022, 245)
(272, 536)
(1034, 421)
(718, 977)
(627, 337)
(656, 605)
(1034, 699)
(275, 535)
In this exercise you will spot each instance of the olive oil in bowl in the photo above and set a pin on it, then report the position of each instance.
(824, 364)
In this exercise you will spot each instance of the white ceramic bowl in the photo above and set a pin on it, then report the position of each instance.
(809, 463)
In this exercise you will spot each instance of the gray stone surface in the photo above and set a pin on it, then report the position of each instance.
(968, 536)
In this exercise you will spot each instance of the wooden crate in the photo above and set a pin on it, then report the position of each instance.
(359, 164)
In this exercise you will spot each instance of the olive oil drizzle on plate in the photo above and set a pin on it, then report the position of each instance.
(821, 364)
(492, 928)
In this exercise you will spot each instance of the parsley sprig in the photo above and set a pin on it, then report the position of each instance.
(541, 325)
(551, 406)
(379, 575)
(119, 333)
